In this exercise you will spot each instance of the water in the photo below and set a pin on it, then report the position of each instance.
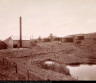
(49, 62)
(83, 72)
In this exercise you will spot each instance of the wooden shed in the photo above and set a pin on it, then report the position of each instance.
(79, 37)
(57, 39)
(46, 40)
(69, 39)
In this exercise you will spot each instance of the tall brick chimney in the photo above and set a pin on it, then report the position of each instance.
(20, 31)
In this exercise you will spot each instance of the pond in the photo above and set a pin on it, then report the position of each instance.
(83, 72)
(49, 62)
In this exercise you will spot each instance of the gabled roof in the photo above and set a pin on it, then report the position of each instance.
(18, 38)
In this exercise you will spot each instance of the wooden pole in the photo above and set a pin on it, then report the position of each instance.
(3, 61)
(16, 68)
(28, 74)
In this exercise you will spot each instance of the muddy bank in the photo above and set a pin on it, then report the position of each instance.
(27, 60)
(27, 70)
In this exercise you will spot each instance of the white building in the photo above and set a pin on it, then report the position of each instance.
(14, 42)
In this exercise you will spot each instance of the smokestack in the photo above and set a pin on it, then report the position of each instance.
(20, 32)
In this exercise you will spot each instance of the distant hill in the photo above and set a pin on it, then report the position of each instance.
(90, 35)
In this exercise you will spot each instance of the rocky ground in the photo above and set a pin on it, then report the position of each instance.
(24, 64)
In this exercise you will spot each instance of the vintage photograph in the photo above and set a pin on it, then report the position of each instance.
(47, 40)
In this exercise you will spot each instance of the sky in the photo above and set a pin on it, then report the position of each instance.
(42, 17)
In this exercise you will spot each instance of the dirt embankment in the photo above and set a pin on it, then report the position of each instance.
(27, 60)
(23, 69)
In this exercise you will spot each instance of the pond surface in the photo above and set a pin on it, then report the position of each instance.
(83, 72)
(49, 62)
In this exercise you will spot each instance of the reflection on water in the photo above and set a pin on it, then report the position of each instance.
(83, 72)
(49, 62)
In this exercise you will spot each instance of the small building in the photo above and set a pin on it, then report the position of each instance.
(57, 39)
(79, 37)
(14, 42)
(46, 40)
(69, 39)
(3, 45)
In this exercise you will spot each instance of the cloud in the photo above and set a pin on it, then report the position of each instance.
(42, 17)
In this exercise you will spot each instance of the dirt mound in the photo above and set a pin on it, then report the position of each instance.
(55, 66)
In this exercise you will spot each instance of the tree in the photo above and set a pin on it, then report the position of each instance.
(51, 36)
(39, 39)
(32, 43)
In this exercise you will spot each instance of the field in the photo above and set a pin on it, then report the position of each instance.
(25, 63)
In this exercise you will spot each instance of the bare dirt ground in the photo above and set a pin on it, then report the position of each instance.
(22, 64)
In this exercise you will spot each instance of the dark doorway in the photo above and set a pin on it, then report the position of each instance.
(15, 45)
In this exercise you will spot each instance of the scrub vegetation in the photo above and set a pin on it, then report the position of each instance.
(28, 63)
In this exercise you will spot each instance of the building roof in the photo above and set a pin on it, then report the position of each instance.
(69, 36)
(18, 38)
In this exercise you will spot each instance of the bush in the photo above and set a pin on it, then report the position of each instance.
(33, 44)
(61, 68)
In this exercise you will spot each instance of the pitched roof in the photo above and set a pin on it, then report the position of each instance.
(69, 36)
(18, 38)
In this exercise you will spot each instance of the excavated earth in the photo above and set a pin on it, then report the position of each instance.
(26, 63)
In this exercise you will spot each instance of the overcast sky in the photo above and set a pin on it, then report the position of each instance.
(42, 17)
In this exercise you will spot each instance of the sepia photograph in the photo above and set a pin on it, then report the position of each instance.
(47, 40)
